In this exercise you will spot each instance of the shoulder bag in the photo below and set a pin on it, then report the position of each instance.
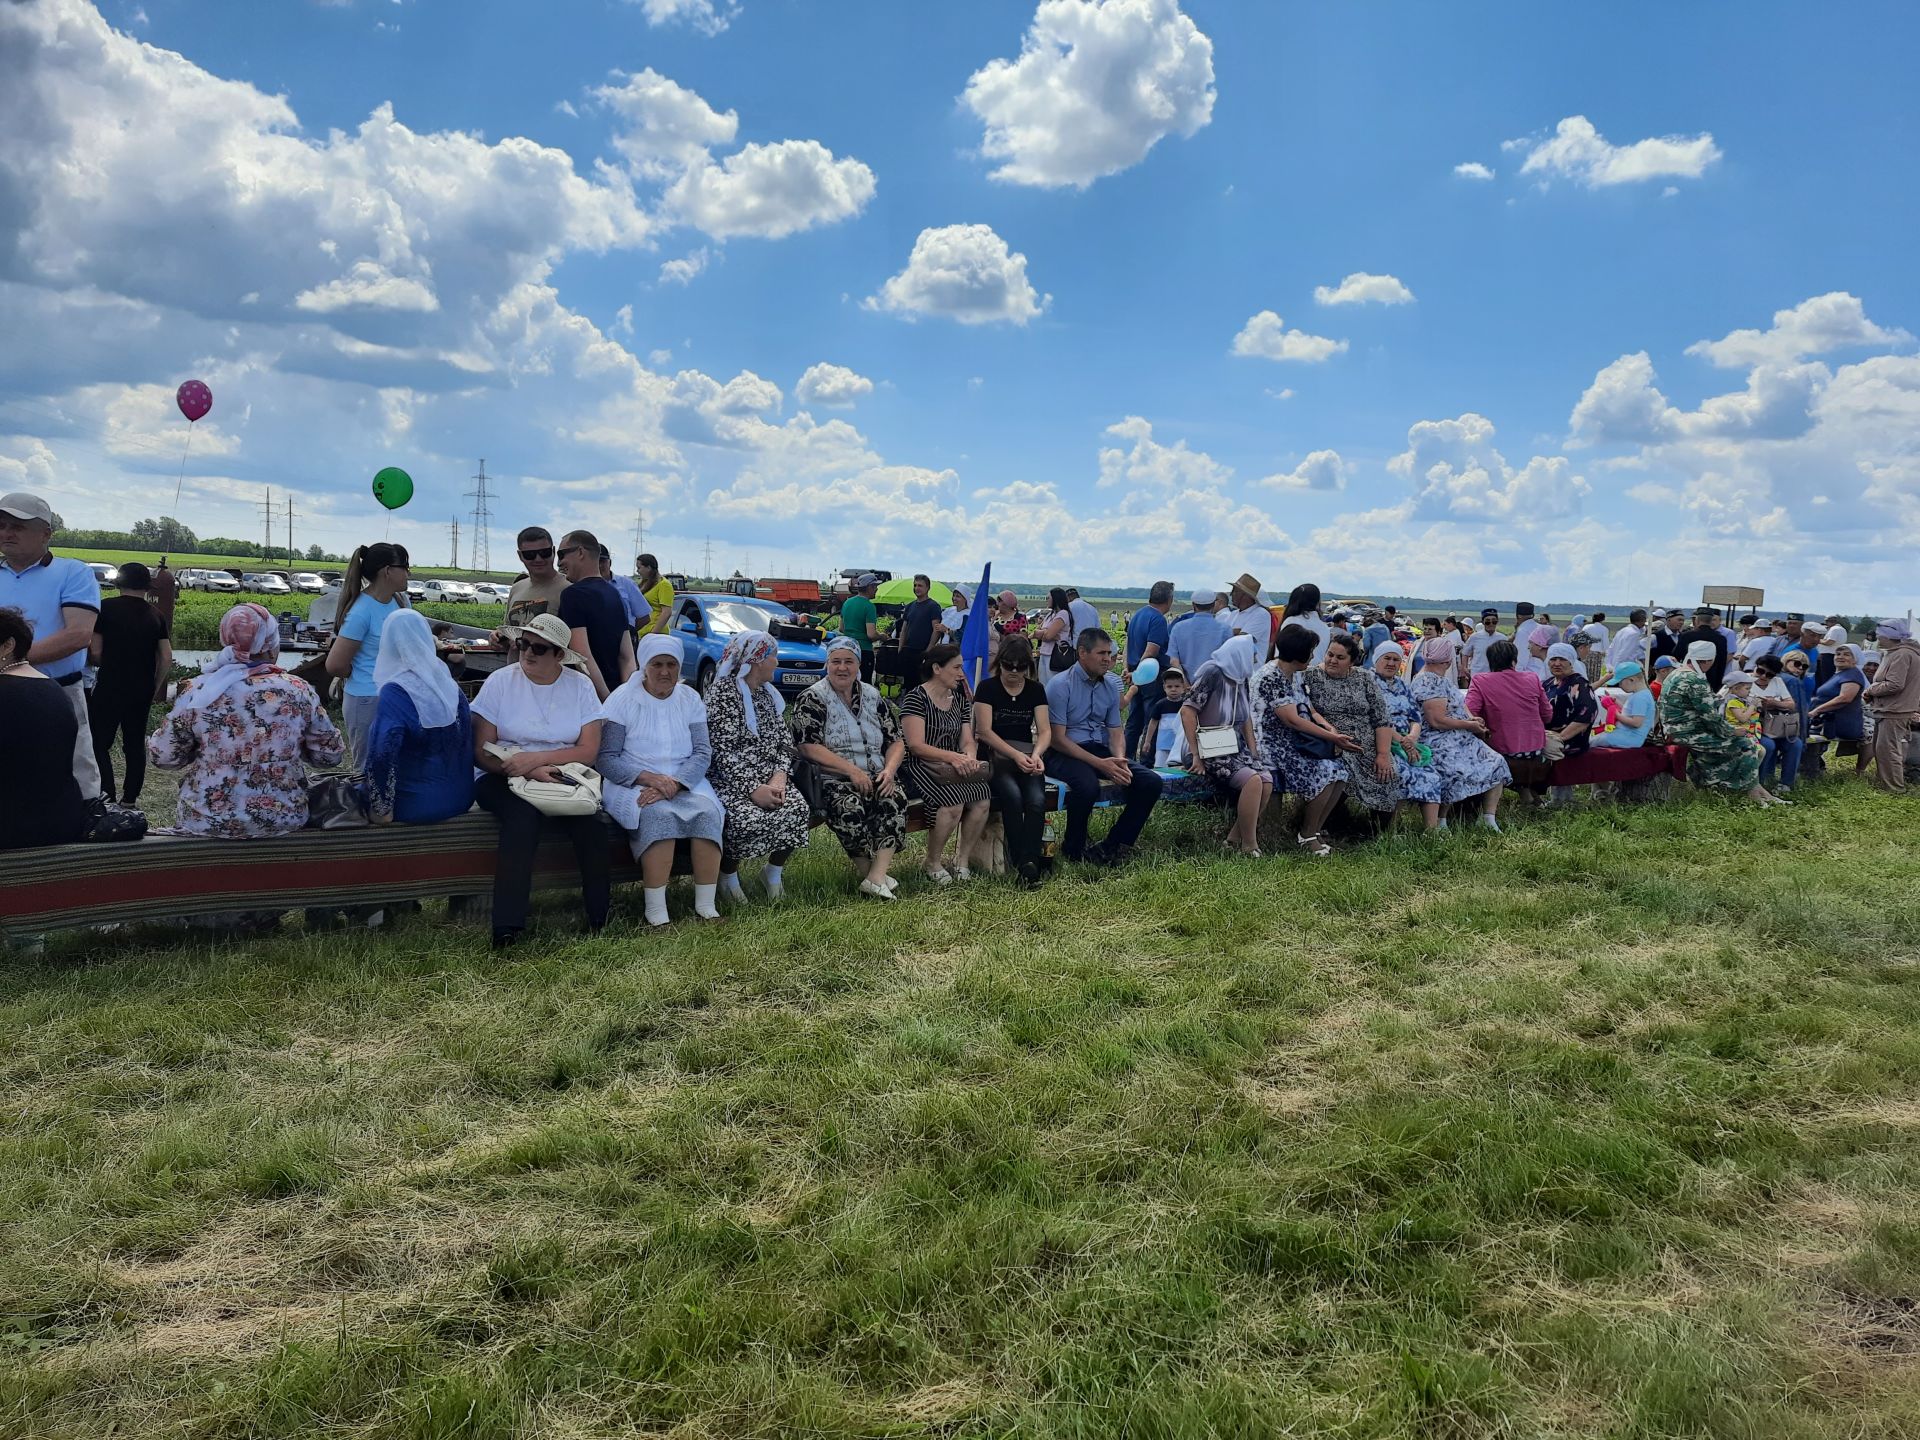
(575, 792)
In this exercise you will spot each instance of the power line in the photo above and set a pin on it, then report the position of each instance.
(639, 529)
(454, 563)
(290, 555)
(266, 511)
(482, 556)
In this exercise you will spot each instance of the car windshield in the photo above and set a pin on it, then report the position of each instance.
(732, 618)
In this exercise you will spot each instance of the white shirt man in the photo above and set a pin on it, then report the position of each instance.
(1629, 644)
(1247, 616)
(1481, 641)
(1596, 629)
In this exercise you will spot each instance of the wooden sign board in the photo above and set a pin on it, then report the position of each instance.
(1750, 596)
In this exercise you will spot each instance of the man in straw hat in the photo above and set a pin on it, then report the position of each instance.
(1247, 616)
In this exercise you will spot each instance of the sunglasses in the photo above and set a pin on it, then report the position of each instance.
(1015, 667)
(568, 551)
(546, 554)
(538, 649)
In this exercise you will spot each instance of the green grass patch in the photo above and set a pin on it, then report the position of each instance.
(1603, 1127)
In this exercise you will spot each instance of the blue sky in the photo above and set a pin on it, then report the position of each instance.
(480, 272)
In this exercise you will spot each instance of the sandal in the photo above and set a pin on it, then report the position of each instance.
(1314, 845)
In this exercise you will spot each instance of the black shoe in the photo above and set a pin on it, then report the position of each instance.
(1114, 856)
(1030, 874)
(505, 939)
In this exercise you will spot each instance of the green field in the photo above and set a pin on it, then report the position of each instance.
(246, 563)
(1603, 1127)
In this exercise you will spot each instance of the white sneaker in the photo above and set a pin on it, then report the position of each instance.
(939, 876)
(879, 892)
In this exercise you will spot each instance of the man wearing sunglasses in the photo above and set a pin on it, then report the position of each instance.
(538, 591)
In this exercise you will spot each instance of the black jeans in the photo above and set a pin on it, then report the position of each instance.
(1083, 791)
(520, 843)
(1144, 699)
(1022, 802)
(124, 716)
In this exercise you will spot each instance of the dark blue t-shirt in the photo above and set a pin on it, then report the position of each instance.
(595, 606)
(917, 622)
(1146, 626)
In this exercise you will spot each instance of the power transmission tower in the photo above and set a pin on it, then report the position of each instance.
(266, 510)
(291, 557)
(482, 557)
(706, 564)
(454, 563)
(639, 529)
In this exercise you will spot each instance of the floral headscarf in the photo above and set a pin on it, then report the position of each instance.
(743, 652)
(250, 641)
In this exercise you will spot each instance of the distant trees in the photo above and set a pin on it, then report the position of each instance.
(164, 535)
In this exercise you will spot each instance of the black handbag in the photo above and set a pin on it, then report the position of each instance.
(1314, 747)
(109, 823)
(805, 776)
(334, 802)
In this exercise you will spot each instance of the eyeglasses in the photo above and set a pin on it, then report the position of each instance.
(567, 551)
(546, 554)
(538, 649)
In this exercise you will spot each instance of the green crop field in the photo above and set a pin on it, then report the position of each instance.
(246, 563)
(1602, 1127)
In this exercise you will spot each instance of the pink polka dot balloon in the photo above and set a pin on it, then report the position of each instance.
(194, 399)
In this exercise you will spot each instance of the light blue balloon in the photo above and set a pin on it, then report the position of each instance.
(1146, 672)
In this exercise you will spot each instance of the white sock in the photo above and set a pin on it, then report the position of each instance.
(730, 887)
(775, 881)
(703, 902)
(656, 905)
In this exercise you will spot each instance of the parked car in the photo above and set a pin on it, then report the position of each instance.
(487, 592)
(261, 583)
(704, 624)
(103, 573)
(308, 583)
(446, 592)
(215, 581)
(416, 590)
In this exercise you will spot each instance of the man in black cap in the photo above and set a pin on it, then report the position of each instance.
(1704, 629)
(134, 654)
(860, 622)
(1666, 634)
(1523, 623)
(1482, 640)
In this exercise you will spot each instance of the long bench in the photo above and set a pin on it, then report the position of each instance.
(177, 876)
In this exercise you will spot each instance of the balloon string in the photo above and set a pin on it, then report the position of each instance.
(185, 451)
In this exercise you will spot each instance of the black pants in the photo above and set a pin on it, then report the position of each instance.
(520, 842)
(1144, 699)
(124, 716)
(866, 666)
(1022, 802)
(1083, 792)
(910, 675)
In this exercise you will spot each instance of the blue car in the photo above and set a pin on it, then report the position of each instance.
(704, 624)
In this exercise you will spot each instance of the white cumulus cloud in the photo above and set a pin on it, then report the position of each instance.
(1360, 288)
(1322, 470)
(1472, 170)
(1098, 84)
(1624, 405)
(705, 16)
(771, 190)
(832, 385)
(1835, 321)
(1266, 336)
(371, 285)
(666, 127)
(1457, 474)
(683, 270)
(966, 273)
(1577, 151)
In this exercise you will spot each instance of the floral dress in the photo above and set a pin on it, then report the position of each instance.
(1468, 766)
(1295, 770)
(1717, 755)
(1420, 783)
(1573, 703)
(860, 731)
(742, 762)
(246, 757)
(1218, 700)
(1354, 706)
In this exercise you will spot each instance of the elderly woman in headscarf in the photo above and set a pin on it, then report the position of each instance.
(1571, 700)
(1466, 764)
(1720, 757)
(654, 756)
(244, 732)
(1533, 660)
(1222, 700)
(752, 764)
(419, 768)
(1894, 695)
(1420, 780)
(848, 732)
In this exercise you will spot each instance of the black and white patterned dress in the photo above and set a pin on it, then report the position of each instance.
(943, 729)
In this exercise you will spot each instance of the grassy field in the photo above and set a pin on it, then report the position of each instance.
(1604, 1127)
(248, 563)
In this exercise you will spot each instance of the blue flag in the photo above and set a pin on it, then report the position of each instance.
(973, 634)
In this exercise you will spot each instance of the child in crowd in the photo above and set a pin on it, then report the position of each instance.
(1742, 710)
(1163, 740)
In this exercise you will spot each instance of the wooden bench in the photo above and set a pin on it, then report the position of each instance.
(169, 877)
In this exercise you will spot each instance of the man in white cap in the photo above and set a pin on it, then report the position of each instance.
(1894, 697)
(1192, 639)
(61, 599)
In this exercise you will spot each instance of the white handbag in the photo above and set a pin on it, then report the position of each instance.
(576, 792)
(1216, 742)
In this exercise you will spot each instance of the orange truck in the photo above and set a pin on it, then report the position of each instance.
(798, 595)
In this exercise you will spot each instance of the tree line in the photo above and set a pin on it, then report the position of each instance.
(167, 536)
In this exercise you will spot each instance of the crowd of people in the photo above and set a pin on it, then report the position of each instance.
(1352, 714)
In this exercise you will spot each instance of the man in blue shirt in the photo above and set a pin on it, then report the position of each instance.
(595, 614)
(1192, 639)
(1376, 634)
(1083, 702)
(61, 600)
(638, 610)
(1146, 640)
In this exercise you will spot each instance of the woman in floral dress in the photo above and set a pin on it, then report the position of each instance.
(1467, 765)
(245, 732)
(1342, 692)
(1290, 728)
(1419, 782)
(850, 735)
(752, 762)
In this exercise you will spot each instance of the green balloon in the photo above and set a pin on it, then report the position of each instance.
(393, 487)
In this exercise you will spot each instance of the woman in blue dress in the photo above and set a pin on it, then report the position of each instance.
(1291, 729)
(1466, 764)
(1420, 782)
(419, 760)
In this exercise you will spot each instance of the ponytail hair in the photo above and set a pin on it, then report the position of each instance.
(367, 560)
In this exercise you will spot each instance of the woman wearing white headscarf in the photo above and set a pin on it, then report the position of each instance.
(420, 746)
(654, 754)
(1420, 779)
(752, 764)
(245, 732)
(1718, 756)
(1222, 698)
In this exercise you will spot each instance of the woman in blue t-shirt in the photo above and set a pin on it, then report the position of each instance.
(419, 759)
(356, 634)
(1837, 708)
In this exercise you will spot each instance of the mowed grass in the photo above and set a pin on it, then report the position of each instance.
(1609, 1126)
